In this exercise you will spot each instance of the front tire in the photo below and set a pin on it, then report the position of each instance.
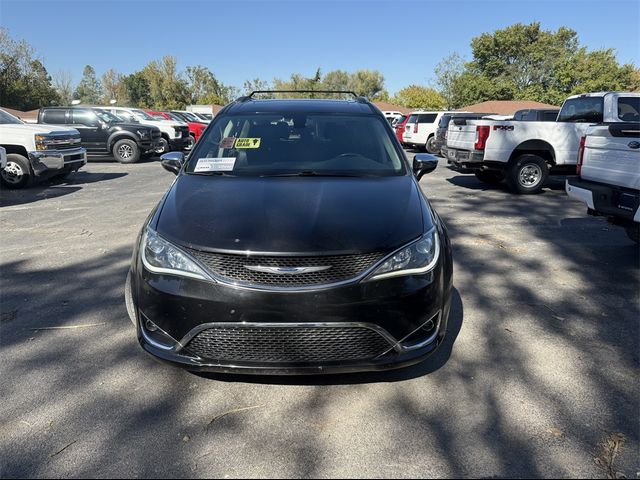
(163, 147)
(490, 177)
(126, 151)
(430, 146)
(528, 174)
(633, 233)
(17, 174)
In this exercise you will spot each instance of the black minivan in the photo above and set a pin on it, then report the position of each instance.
(295, 239)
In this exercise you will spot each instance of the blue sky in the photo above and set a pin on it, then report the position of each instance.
(239, 40)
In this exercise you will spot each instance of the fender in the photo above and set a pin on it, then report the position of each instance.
(118, 135)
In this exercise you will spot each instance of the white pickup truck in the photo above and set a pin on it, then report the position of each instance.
(609, 173)
(37, 151)
(525, 153)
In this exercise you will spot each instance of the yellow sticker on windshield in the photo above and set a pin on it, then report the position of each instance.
(247, 142)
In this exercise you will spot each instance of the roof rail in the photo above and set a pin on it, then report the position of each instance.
(255, 92)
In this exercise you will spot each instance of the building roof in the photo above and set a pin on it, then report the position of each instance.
(15, 113)
(390, 107)
(504, 107)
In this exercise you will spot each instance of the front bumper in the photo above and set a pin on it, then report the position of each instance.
(181, 143)
(398, 309)
(47, 161)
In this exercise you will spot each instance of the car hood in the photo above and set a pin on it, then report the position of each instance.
(39, 128)
(292, 214)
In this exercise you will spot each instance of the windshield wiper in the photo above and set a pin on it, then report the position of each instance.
(211, 174)
(311, 173)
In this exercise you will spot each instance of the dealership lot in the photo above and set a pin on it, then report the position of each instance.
(539, 369)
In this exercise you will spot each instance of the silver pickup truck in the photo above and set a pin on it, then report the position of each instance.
(609, 172)
(37, 151)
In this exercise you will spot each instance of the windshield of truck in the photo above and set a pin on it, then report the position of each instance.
(7, 118)
(629, 109)
(582, 109)
(412, 119)
(297, 144)
(143, 115)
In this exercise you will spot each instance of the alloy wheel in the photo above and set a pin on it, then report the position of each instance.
(12, 173)
(125, 151)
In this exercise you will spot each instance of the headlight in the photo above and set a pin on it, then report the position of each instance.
(160, 256)
(419, 257)
(143, 133)
(41, 141)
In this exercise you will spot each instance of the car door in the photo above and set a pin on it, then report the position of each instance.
(94, 136)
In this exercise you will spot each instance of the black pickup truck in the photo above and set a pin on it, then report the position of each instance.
(103, 133)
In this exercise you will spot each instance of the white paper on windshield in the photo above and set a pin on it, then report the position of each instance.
(220, 164)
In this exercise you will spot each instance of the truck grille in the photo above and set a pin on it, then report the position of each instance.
(288, 344)
(232, 268)
(63, 142)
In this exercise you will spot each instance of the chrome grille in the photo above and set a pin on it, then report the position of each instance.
(63, 142)
(288, 344)
(232, 268)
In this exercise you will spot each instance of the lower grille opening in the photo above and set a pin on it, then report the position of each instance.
(287, 344)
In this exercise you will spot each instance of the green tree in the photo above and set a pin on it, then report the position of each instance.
(448, 71)
(24, 81)
(368, 83)
(89, 90)
(336, 80)
(204, 88)
(134, 91)
(415, 96)
(528, 63)
(167, 89)
(255, 85)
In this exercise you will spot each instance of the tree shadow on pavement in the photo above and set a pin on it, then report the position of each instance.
(54, 188)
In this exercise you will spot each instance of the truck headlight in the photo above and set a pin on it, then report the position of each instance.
(41, 141)
(419, 257)
(160, 256)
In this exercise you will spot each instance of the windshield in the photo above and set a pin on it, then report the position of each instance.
(107, 117)
(189, 116)
(582, 109)
(444, 121)
(7, 118)
(157, 116)
(142, 114)
(299, 144)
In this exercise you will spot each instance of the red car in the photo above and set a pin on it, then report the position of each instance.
(399, 126)
(195, 128)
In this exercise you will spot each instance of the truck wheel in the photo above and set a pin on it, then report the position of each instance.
(17, 174)
(490, 177)
(431, 145)
(163, 146)
(633, 233)
(527, 174)
(126, 151)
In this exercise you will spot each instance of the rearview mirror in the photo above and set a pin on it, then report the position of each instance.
(424, 163)
(172, 162)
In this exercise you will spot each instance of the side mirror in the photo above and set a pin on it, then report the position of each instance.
(424, 163)
(172, 162)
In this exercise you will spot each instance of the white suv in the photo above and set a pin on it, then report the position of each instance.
(420, 130)
(175, 135)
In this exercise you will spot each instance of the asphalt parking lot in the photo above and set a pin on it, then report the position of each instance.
(538, 375)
